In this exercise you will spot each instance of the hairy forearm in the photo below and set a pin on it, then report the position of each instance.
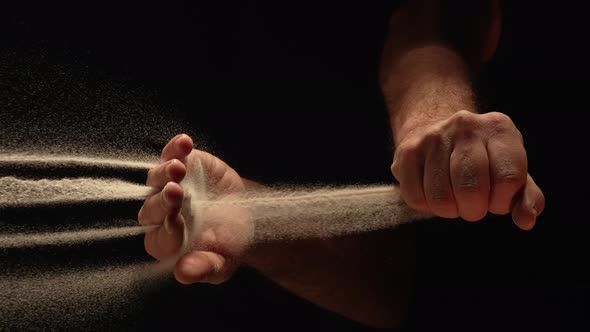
(368, 277)
(365, 277)
(424, 85)
(433, 49)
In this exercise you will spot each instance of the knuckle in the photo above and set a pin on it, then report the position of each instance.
(497, 118)
(441, 198)
(499, 123)
(513, 178)
(410, 148)
(467, 178)
(434, 131)
(464, 118)
(439, 193)
(470, 186)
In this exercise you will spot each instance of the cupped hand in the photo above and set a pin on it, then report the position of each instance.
(224, 232)
(466, 166)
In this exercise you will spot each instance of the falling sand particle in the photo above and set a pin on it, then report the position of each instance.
(69, 238)
(20, 192)
(16, 159)
(292, 213)
(73, 299)
(32, 300)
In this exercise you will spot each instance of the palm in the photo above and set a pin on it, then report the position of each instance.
(220, 179)
(224, 230)
(212, 253)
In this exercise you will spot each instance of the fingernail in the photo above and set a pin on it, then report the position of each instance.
(167, 226)
(180, 137)
(533, 211)
(140, 215)
(165, 193)
(186, 268)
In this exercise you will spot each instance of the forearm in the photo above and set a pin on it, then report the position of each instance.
(367, 278)
(431, 83)
(364, 277)
(433, 49)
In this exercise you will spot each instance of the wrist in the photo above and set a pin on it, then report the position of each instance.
(414, 125)
(424, 85)
(426, 101)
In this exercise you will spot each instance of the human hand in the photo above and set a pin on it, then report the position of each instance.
(466, 166)
(224, 232)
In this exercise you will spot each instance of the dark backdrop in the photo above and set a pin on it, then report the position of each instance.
(287, 92)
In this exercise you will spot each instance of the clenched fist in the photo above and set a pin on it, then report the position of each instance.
(466, 166)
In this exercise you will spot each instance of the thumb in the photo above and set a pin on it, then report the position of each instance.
(203, 266)
(530, 205)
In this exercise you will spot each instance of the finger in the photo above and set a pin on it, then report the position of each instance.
(165, 241)
(408, 168)
(470, 179)
(169, 171)
(157, 206)
(529, 206)
(202, 266)
(438, 190)
(508, 171)
(178, 148)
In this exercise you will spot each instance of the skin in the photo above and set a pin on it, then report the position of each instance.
(449, 160)
(216, 253)
(314, 269)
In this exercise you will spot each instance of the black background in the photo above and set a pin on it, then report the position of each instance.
(287, 92)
